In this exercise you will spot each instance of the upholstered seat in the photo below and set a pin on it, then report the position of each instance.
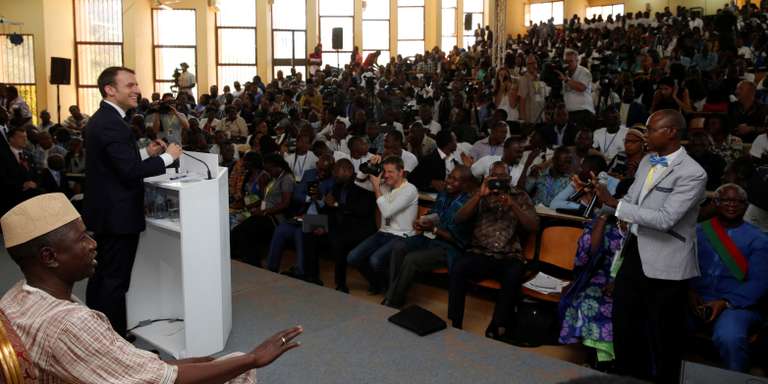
(15, 364)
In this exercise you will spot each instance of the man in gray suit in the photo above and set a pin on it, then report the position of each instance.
(650, 293)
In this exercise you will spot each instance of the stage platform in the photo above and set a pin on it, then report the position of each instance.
(349, 340)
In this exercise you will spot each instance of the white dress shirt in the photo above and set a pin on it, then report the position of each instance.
(301, 163)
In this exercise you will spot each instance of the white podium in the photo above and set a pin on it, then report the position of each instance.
(182, 268)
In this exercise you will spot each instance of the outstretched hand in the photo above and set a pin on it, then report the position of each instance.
(275, 346)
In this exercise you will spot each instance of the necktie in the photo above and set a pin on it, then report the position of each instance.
(23, 161)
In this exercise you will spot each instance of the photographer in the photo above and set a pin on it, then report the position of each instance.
(398, 203)
(168, 122)
(499, 212)
(577, 90)
(185, 80)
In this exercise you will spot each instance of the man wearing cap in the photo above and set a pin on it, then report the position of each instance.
(114, 203)
(70, 343)
(186, 79)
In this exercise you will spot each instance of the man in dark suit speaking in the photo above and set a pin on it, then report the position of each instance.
(114, 192)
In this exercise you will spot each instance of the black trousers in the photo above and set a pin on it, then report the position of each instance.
(249, 241)
(107, 287)
(474, 267)
(342, 241)
(649, 321)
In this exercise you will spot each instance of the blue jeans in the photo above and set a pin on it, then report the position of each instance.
(371, 256)
(731, 336)
(284, 233)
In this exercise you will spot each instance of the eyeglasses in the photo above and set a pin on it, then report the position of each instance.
(720, 201)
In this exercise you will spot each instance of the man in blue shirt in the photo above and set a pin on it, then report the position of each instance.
(441, 240)
(726, 294)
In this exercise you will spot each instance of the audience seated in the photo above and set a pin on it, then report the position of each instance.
(349, 207)
(397, 200)
(734, 277)
(501, 214)
(308, 199)
(249, 238)
(440, 242)
(415, 111)
(557, 177)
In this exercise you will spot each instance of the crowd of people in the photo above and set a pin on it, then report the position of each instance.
(567, 121)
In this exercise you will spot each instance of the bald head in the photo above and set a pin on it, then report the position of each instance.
(664, 129)
(667, 118)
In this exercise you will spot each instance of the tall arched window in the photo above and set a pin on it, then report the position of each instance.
(17, 68)
(473, 12)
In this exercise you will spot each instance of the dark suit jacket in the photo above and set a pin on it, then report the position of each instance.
(431, 167)
(12, 178)
(49, 185)
(114, 188)
(354, 217)
(548, 130)
(636, 114)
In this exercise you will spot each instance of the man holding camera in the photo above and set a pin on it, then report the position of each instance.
(114, 203)
(168, 122)
(577, 90)
(186, 79)
(398, 203)
(499, 212)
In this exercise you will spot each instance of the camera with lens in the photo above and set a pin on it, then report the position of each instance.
(497, 186)
(370, 169)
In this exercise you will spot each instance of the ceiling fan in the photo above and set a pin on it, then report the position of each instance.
(164, 4)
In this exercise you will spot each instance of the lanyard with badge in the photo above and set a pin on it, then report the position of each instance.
(269, 188)
(300, 173)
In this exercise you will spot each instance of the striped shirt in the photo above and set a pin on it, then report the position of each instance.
(69, 343)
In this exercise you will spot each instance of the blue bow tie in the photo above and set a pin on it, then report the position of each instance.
(659, 160)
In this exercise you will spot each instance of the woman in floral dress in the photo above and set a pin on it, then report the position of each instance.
(586, 304)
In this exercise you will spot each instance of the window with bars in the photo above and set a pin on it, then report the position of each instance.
(542, 12)
(605, 11)
(235, 42)
(410, 27)
(17, 68)
(376, 29)
(174, 42)
(448, 25)
(289, 37)
(337, 14)
(98, 45)
(474, 10)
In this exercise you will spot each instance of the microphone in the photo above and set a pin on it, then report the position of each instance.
(207, 168)
(602, 178)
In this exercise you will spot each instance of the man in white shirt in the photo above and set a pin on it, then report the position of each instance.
(187, 79)
(339, 139)
(210, 123)
(398, 203)
(358, 154)
(493, 145)
(425, 115)
(610, 139)
(513, 155)
(577, 90)
(393, 146)
(303, 159)
(234, 125)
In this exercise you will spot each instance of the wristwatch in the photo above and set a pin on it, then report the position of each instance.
(728, 304)
(434, 229)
